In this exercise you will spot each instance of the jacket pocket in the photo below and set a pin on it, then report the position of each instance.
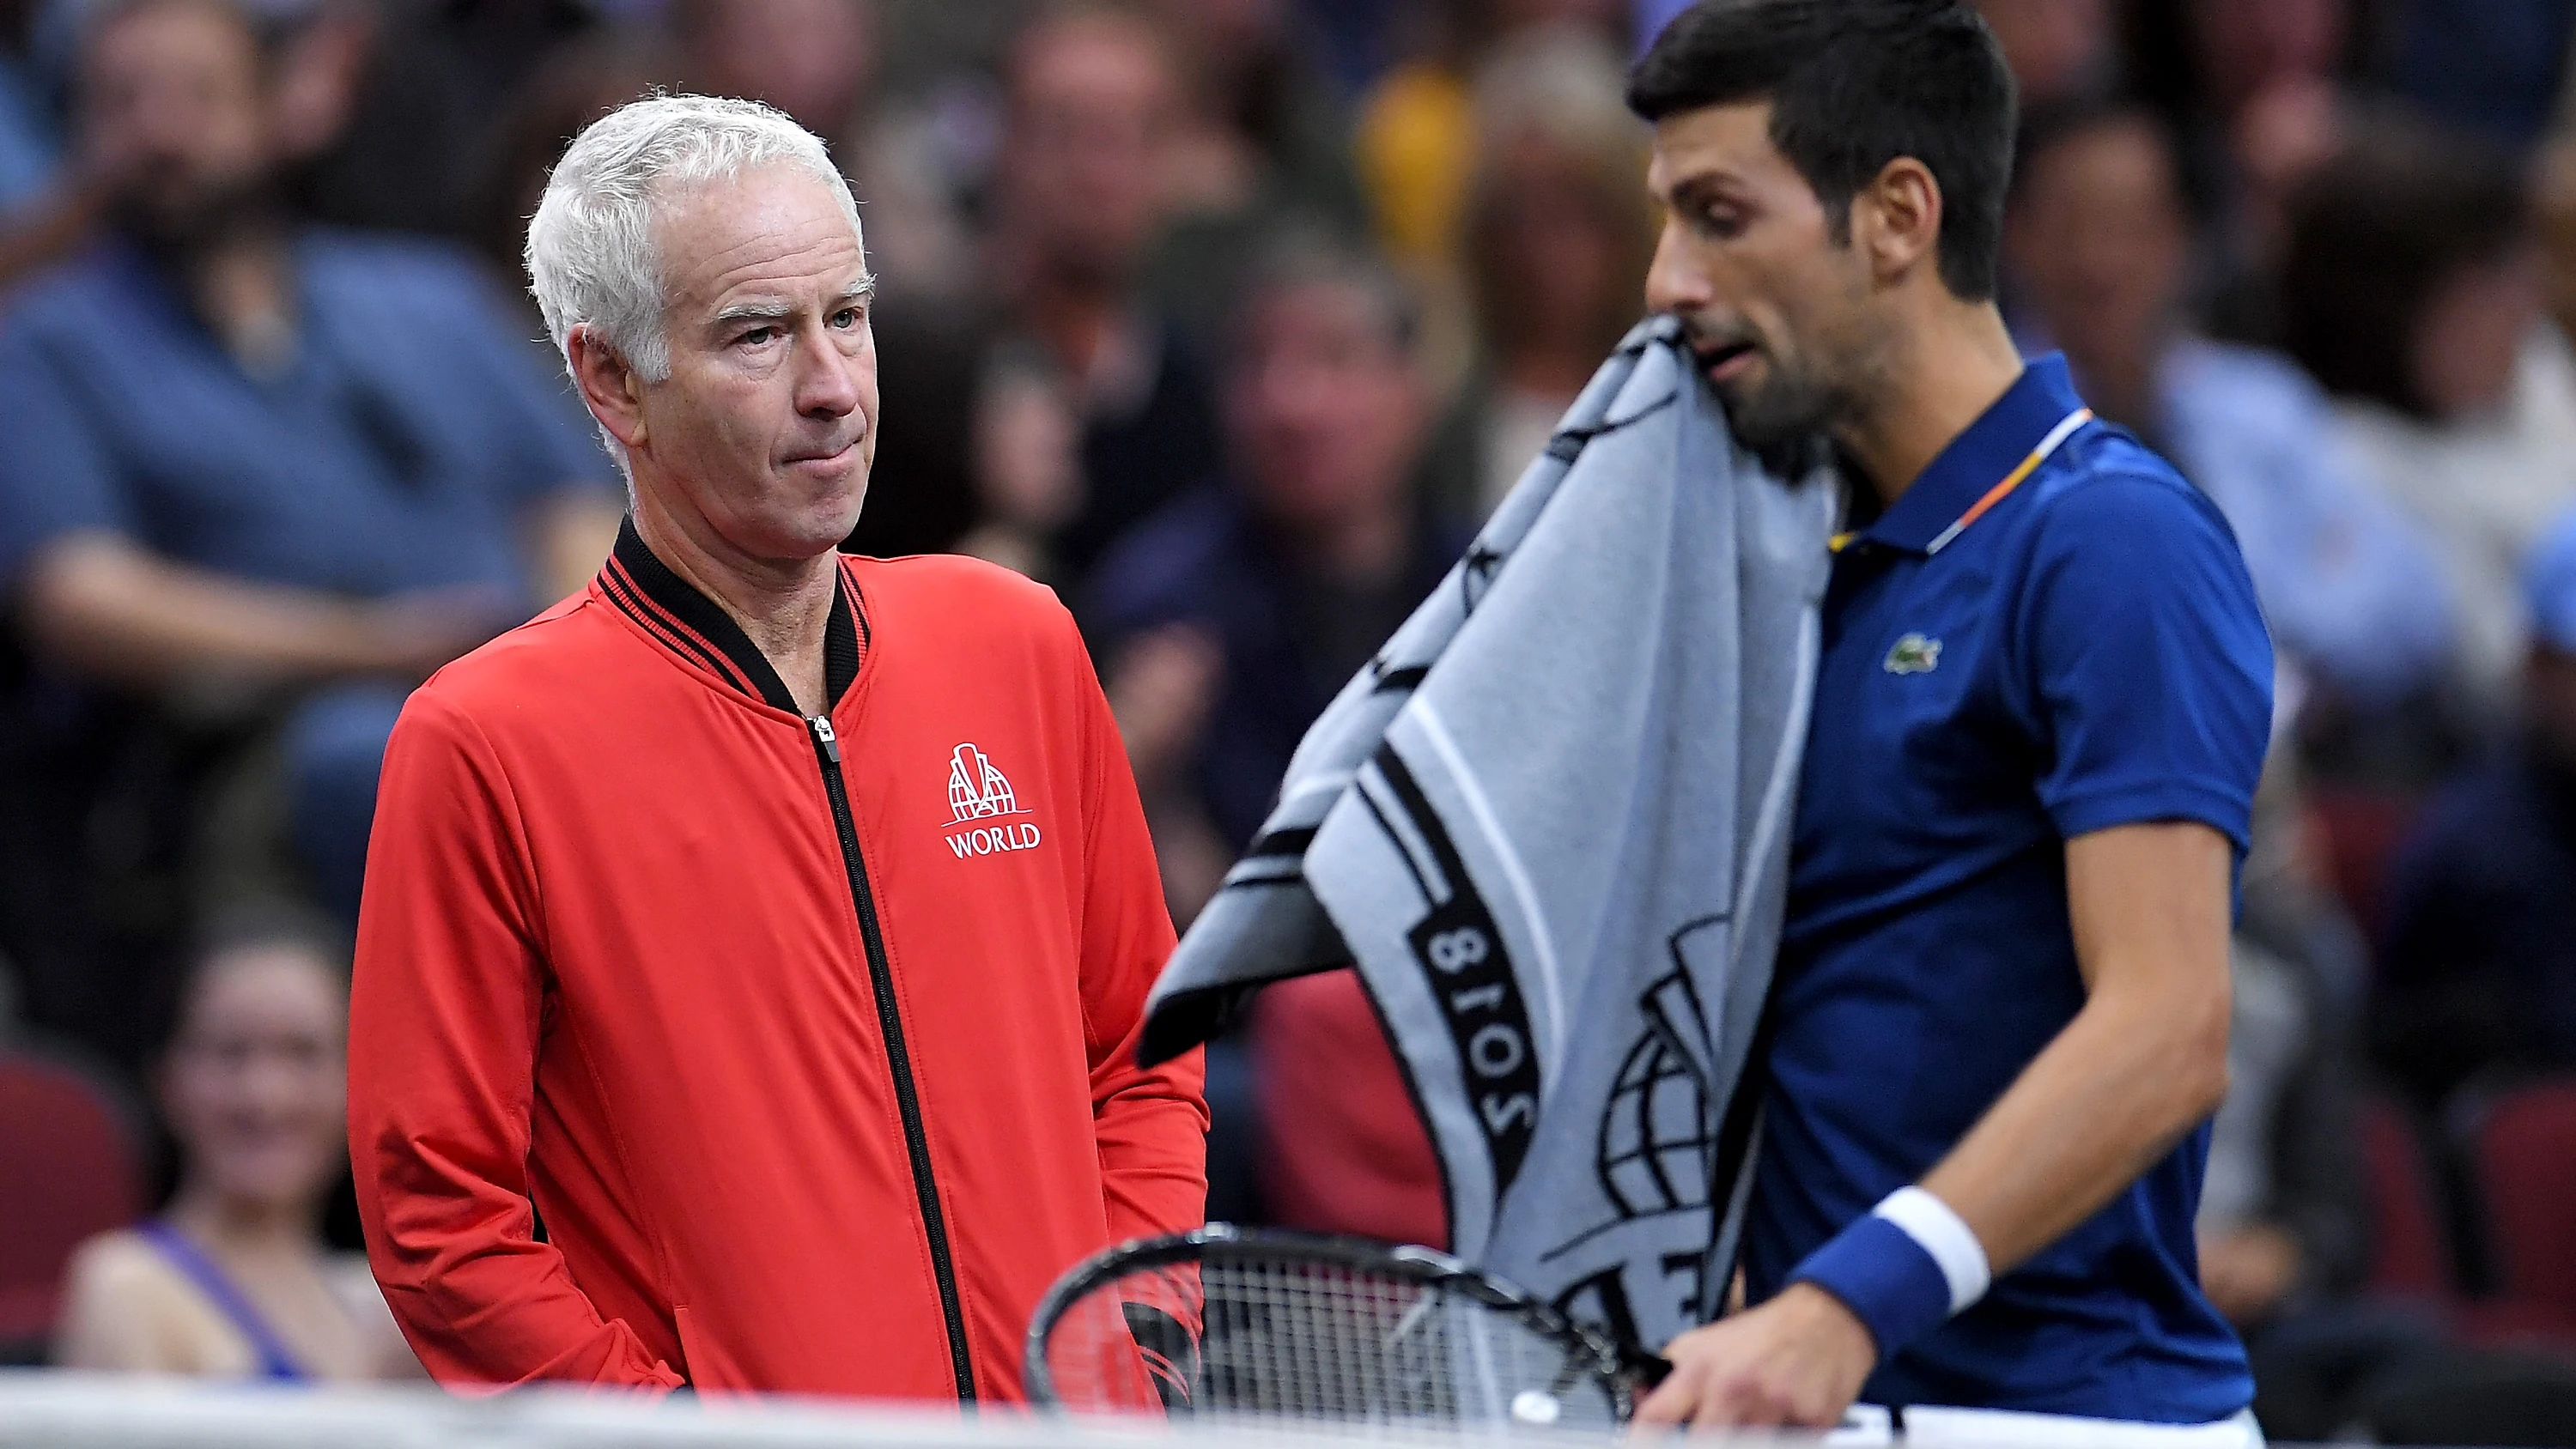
(710, 1370)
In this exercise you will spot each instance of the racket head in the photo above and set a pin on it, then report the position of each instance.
(1296, 1326)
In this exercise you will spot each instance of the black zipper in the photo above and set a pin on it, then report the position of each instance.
(827, 749)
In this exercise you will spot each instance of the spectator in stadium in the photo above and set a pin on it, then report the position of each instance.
(1028, 463)
(2478, 972)
(2255, 93)
(1081, 190)
(429, 86)
(2098, 240)
(1556, 244)
(2413, 291)
(1259, 144)
(236, 452)
(1226, 622)
(233, 1279)
(1298, 566)
(1415, 132)
(776, 924)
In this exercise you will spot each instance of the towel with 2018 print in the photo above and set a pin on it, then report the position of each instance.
(1550, 824)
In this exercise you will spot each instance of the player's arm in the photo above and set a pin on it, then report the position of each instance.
(1150, 1123)
(2141, 1064)
(443, 1027)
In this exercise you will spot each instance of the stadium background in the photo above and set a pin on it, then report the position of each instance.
(2321, 251)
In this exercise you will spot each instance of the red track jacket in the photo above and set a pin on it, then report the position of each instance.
(812, 1041)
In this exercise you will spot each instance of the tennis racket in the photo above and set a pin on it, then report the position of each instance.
(1288, 1325)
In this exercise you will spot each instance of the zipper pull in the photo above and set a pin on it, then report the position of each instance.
(823, 736)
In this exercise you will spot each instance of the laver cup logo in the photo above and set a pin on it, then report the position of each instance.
(978, 791)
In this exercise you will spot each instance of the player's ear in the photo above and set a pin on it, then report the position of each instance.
(1896, 219)
(609, 385)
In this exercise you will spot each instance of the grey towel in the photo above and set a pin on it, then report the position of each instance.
(1517, 822)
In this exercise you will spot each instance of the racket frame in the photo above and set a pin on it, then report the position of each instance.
(1225, 1242)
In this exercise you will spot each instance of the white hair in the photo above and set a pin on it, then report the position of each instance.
(591, 260)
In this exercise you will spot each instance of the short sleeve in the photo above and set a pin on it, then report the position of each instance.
(2149, 670)
(57, 476)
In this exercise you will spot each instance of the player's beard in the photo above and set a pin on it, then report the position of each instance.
(1786, 419)
(1788, 413)
(1786, 407)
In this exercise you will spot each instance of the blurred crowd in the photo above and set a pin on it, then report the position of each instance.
(1231, 319)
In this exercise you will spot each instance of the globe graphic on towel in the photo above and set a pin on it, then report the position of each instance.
(1654, 1155)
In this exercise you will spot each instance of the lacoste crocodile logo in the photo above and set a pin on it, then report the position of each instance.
(1914, 654)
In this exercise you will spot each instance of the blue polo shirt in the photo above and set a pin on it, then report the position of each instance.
(397, 447)
(2085, 653)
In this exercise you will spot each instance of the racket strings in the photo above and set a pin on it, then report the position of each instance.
(1313, 1340)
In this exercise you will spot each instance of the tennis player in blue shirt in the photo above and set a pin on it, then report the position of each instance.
(1999, 1025)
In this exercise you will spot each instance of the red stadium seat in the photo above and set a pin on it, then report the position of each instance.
(2524, 1148)
(67, 1170)
(2355, 835)
(2410, 1256)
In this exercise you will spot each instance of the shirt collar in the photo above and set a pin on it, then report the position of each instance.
(689, 624)
(1992, 448)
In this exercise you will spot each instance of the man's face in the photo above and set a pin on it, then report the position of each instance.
(1778, 312)
(1092, 112)
(2099, 237)
(174, 118)
(767, 424)
(1327, 413)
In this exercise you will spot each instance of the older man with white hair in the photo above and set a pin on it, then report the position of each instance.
(773, 925)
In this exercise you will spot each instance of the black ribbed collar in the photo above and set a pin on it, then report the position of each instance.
(696, 628)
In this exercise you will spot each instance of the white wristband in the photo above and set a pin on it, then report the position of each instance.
(1946, 1236)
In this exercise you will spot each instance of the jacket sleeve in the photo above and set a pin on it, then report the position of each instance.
(1150, 1124)
(443, 1029)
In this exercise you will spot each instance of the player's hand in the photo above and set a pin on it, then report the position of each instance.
(1794, 1362)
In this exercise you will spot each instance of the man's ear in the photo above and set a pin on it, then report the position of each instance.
(1896, 219)
(612, 389)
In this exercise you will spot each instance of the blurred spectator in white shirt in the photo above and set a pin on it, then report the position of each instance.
(2098, 239)
(2414, 290)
